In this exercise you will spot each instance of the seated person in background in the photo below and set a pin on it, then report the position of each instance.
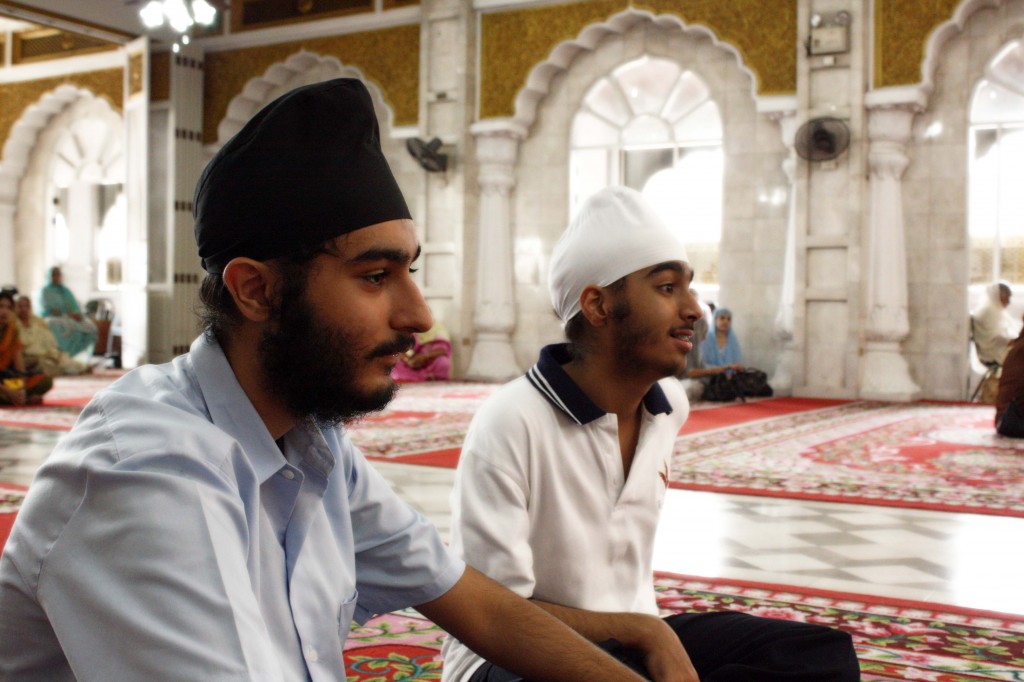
(563, 472)
(17, 387)
(429, 359)
(725, 376)
(74, 332)
(994, 329)
(1010, 399)
(722, 349)
(41, 351)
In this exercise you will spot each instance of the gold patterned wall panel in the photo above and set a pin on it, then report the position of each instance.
(39, 44)
(135, 63)
(159, 76)
(388, 57)
(902, 28)
(513, 42)
(16, 97)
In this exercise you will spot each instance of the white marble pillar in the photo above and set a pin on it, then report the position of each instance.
(494, 315)
(782, 379)
(884, 374)
(7, 269)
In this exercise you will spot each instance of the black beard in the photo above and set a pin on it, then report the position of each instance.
(629, 338)
(312, 368)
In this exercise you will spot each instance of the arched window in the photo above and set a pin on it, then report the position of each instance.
(652, 126)
(87, 220)
(996, 190)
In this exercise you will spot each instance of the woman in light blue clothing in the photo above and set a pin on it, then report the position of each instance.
(722, 349)
(75, 333)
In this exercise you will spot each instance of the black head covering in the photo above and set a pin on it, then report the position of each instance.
(307, 168)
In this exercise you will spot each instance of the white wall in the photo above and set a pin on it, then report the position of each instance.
(935, 205)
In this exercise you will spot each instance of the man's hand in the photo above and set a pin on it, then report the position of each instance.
(664, 656)
(500, 625)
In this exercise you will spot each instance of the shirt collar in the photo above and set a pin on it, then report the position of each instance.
(231, 411)
(548, 377)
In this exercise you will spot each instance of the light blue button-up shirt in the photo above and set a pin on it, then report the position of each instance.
(168, 537)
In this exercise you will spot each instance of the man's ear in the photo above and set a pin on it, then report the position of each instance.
(594, 305)
(251, 284)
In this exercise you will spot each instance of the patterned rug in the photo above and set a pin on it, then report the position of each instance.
(895, 640)
(938, 456)
(11, 497)
(61, 404)
(924, 455)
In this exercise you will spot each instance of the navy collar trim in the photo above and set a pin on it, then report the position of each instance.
(548, 377)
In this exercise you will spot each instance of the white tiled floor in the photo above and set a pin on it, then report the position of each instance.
(969, 560)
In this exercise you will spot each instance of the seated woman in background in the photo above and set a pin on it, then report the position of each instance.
(40, 344)
(725, 376)
(722, 349)
(429, 359)
(17, 387)
(74, 332)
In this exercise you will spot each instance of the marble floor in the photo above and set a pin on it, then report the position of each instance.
(968, 560)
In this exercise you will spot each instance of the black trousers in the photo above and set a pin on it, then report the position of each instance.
(1011, 423)
(736, 647)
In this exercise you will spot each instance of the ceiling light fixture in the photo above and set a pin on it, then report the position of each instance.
(181, 15)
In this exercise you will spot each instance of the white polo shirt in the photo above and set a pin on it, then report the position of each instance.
(541, 503)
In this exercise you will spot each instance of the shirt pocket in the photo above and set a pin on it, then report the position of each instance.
(345, 613)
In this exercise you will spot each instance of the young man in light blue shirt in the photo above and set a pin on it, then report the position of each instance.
(208, 519)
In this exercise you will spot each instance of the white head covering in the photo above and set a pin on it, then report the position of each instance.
(615, 234)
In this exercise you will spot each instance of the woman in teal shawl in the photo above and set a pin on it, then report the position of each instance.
(722, 349)
(74, 332)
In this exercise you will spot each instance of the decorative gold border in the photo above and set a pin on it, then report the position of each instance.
(513, 42)
(108, 83)
(902, 29)
(20, 37)
(237, 14)
(389, 57)
(64, 17)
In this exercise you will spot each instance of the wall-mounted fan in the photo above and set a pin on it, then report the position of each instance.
(822, 139)
(427, 154)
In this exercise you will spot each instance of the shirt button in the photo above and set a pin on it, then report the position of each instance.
(288, 473)
(311, 655)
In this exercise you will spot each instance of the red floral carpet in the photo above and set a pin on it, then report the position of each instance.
(895, 640)
(11, 497)
(61, 404)
(925, 455)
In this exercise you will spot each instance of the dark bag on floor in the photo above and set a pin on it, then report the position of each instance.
(728, 386)
(752, 383)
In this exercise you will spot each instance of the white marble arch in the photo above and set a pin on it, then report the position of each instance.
(302, 68)
(25, 175)
(937, 275)
(539, 79)
(917, 94)
(500, 139)
(305, 68)
(944, 32)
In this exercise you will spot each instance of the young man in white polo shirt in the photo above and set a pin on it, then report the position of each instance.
(563, 471)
